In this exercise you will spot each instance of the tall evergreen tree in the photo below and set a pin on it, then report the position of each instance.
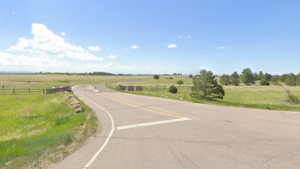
(247, 77)
(206, 86)
(225, 80)
(235, 79)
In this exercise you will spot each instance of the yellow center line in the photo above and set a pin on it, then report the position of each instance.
(145, 109)
(150, 107)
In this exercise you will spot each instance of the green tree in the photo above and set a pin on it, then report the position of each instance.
(255, 76)
(155, 77)
(260, 75)
(206, 86)
(298, 79)
(247, 77)
(283, 77)
(267, 77)
(290, 80)
(179, 82)
(191, 76)
(235, 79)
(225, 80)
(275, 78)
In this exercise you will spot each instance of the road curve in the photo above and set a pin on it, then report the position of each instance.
(148, 132)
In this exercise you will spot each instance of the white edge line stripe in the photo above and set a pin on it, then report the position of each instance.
(107, 139)
(102, 147)
(152, 123)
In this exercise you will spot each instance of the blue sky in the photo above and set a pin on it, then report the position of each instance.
(137, 36)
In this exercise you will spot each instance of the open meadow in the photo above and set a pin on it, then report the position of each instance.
(254, 96)
(38, 129)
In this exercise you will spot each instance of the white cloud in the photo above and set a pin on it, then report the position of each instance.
(82, 56)
(23, 43)
(222, 47)
(188, 36)
(63, 33)
(172, 46)
(35, 61)
(134, 47)
(96, 48)
(44, 40)
(14, 13)
(179, 37)
(112, 56)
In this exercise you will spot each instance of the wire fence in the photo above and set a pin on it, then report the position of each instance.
(21, 91)
(179, 87)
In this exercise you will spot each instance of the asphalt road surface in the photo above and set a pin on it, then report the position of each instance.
(141, 132)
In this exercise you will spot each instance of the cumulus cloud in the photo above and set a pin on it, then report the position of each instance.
(222, 47)
(44, 40)
(188, 36)
(14, 13)
(134, 47)
(63, 33)
(179, 37)
(36, 61)
(172, 46)
(92, 48)
(112, 56)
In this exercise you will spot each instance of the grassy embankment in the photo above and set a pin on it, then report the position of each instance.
(37, 130)
(255, 96)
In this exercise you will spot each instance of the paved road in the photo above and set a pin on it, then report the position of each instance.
(151, 132)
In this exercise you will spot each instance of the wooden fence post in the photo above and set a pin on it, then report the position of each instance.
(29, 90)
(43, 91)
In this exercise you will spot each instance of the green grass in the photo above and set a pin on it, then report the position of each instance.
(41, 81)
(37, 130)
(261, 97)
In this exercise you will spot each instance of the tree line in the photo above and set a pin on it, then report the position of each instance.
(248, 78)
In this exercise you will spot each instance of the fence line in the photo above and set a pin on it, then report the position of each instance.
(167, 87)
(16, 91)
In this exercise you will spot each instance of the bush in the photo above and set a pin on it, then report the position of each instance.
(173, 89)
(264, 82)
(191, 76)
(171, 77)
(156, 77)
(179, 82)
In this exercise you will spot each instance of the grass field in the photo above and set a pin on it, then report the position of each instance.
(38, 129)
(255, 96)
(53, 80)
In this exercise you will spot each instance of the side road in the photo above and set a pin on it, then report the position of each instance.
(148, 132)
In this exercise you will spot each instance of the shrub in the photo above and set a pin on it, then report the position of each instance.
(191, 76)
(173, 89)
(264, 82)
(156, 77)
(171, 77)
(179, 82)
